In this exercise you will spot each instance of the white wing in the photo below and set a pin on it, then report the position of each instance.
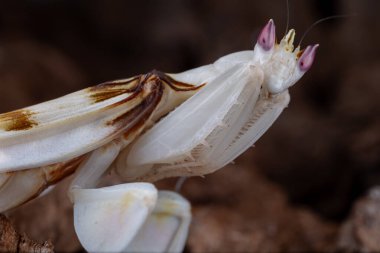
(192, 139)
(67, 127)
(70, 126)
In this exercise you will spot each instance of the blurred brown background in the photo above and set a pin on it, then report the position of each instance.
(303, 187)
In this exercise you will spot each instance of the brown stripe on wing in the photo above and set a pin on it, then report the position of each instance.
(124, 82)
(17, 120)
(59, 171)
(112, 89)
(152, 83)
(176, 85)
(49, 175)
(151, 91)
(134, 85)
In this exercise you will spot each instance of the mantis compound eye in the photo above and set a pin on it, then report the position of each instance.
(307, 58)
(267, 36)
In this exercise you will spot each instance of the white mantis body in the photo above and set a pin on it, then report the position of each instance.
(213, 114)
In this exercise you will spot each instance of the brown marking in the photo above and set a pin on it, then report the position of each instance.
(17, 120)
(109, 90)
(105, 94)
(116, 83)
(299, 54)
(174, 84)
(61, 170)
(134, 86)
(139, 125)
(53, 174)
(136, 93)
(152, 86)
(151, 83)
(9, 176)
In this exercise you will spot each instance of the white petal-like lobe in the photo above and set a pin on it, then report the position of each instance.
(166, 229)
(107, 219)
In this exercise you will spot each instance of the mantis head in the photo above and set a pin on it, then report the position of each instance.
(282, 64)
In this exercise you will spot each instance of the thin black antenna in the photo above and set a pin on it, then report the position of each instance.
(322, 20)
(287, 17)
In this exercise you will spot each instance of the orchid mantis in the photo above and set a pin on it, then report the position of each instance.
(146, 128)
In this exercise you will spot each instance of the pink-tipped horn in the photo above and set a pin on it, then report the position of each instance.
(267, 36)
(307, 58)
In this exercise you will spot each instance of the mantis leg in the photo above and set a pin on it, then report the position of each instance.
(126, 216)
